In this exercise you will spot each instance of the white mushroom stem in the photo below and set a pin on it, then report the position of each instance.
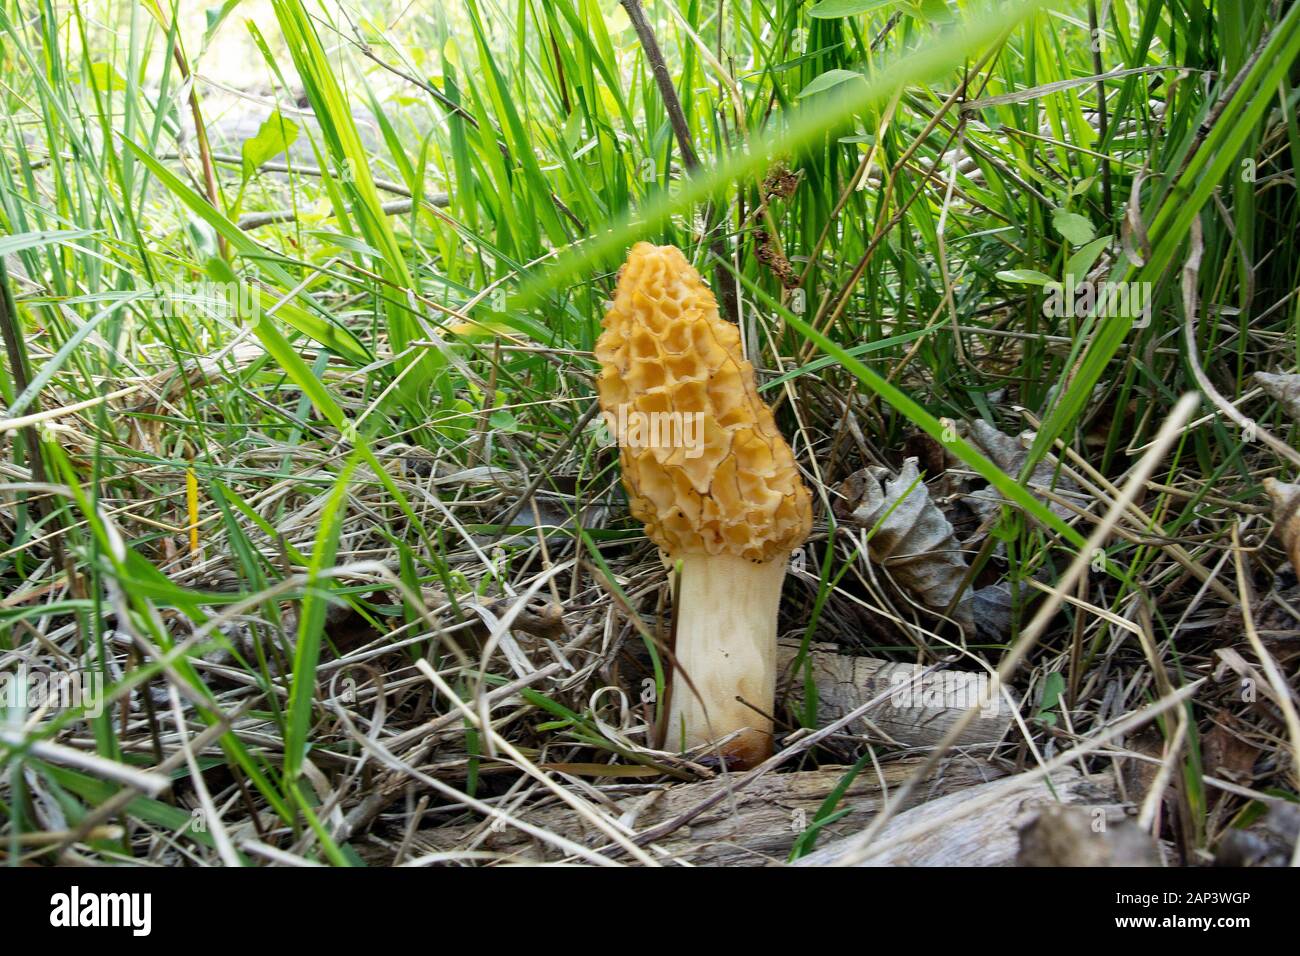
(726, 611)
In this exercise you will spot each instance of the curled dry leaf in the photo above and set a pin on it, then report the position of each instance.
(1284, 388)
(1286, 512)
(993, 609)
(1133, 231)
(1009, 455)
(914, 540)
(917, 713)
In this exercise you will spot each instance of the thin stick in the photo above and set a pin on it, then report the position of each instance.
(1094, 32)
(726, 285)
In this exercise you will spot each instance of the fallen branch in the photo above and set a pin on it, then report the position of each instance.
(975, 827)
(397, 207)
(756, 826)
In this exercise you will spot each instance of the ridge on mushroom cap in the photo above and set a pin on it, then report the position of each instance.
(724, 482)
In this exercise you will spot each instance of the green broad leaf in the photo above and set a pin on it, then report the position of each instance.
(203, 237)
(455, 420)
(829, 80)
(933, 11)
(214, 17)
(337, 239)
(1076, 229)
(276, 134)
(1085, 257)
(1024, 277)
(834, 9)
(1053, 687)
(106, 76)
(502, 421)
(1083, 185)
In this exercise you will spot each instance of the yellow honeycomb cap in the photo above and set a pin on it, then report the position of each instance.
(703, 462)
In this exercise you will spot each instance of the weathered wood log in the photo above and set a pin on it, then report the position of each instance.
(978, 826)
(756, 827)
(919, 709)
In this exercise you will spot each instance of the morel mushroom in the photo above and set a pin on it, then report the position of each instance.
(715, 483)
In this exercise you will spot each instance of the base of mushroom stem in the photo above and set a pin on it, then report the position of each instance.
(725, 641)
(744, 751)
